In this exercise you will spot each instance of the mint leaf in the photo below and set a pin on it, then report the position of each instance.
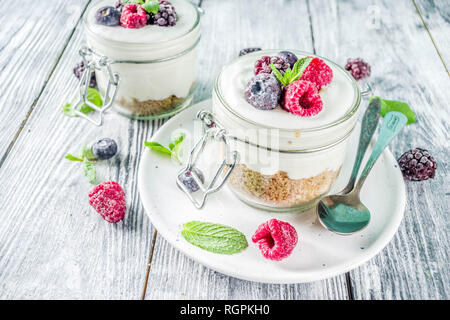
(124, 2)
(89, 171)
(151, 6)
(214, 237)
(158, 147)
(278, 74)
(393, 105)
(72, 157)
(299, 67)
(93, 96)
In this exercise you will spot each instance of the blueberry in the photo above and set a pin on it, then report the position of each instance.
(263, 91)
(189, 182)
(108, 16)
(289, 57)
(104, 148)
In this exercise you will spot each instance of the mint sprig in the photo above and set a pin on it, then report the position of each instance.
(393, 105)
(217, 238)
(132, 1)
(292, 75)
(87, 158)
(92, 96)
(173, 149)
(151, 6)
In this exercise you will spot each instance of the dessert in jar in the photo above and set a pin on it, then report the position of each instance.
(288, 115)
(152, 46)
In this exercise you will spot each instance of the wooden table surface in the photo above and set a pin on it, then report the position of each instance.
(54, 246)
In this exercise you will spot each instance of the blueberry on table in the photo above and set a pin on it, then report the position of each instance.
(104, 148)
(189, 181)
(108, 16)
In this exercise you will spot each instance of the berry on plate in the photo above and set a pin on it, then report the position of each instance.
(104, 148)
(417, 164)
(263, 64)
(108, 16)
(108, 199)
(263, 91)
(189, 181)
(358, 68)
(245, 51)
(289, 57)
(276, 239)
(318, 72)
(133, 16)
(301, 98)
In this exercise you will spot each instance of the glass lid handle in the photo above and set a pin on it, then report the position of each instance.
(212, 134)
(93, 61)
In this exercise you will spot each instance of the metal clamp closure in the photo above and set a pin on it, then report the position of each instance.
(212, 133)
(93, 61)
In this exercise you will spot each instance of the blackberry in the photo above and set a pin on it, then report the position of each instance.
(289, 57)
(417, 164)
(108, 16)
(189, 182)
(248, 50)
(104, 148)
(78, 71)
(166, 15)
(358, 68)
(263, 91)
(119, 5)
(263, 64)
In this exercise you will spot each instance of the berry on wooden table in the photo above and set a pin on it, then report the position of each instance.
(108, 199)
(358, 68)
(417, 164)
(104, 148)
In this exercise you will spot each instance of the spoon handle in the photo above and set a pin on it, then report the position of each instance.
(392, 124)
(368, 126)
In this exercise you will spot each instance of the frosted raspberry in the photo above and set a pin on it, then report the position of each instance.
(108, 199)
(301, 98)
(358, 68)
(276, 239)
(133, 16)
(263, 64)
(318, 72)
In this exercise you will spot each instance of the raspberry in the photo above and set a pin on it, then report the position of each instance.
(166, 15)
(248, 50)
(263, 91)
(358, 68)
(78, 71)
(263, 64)
(318, 72)
(133, 16)
(289, 57)
(276, 239)
(189, 182)
(108, 199)
(301, 98)
(108, 16)
(417, 164)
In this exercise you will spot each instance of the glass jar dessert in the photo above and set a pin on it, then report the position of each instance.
(153, 55)
(286, 162)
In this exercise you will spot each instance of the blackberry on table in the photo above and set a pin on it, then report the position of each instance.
(78, 71)
(248, 50)
(417, 164)
(358, 68)
(263, 91)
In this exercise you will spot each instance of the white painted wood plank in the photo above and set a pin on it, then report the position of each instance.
(436, 14)
(33, 35)
(229, 26)
(53, 245)
(405, 66)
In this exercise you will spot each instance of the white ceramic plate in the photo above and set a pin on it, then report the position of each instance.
(319, 253)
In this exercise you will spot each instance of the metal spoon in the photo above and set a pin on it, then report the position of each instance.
(344, 213)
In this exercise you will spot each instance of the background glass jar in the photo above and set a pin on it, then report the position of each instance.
(280, 168)
(157, 65)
